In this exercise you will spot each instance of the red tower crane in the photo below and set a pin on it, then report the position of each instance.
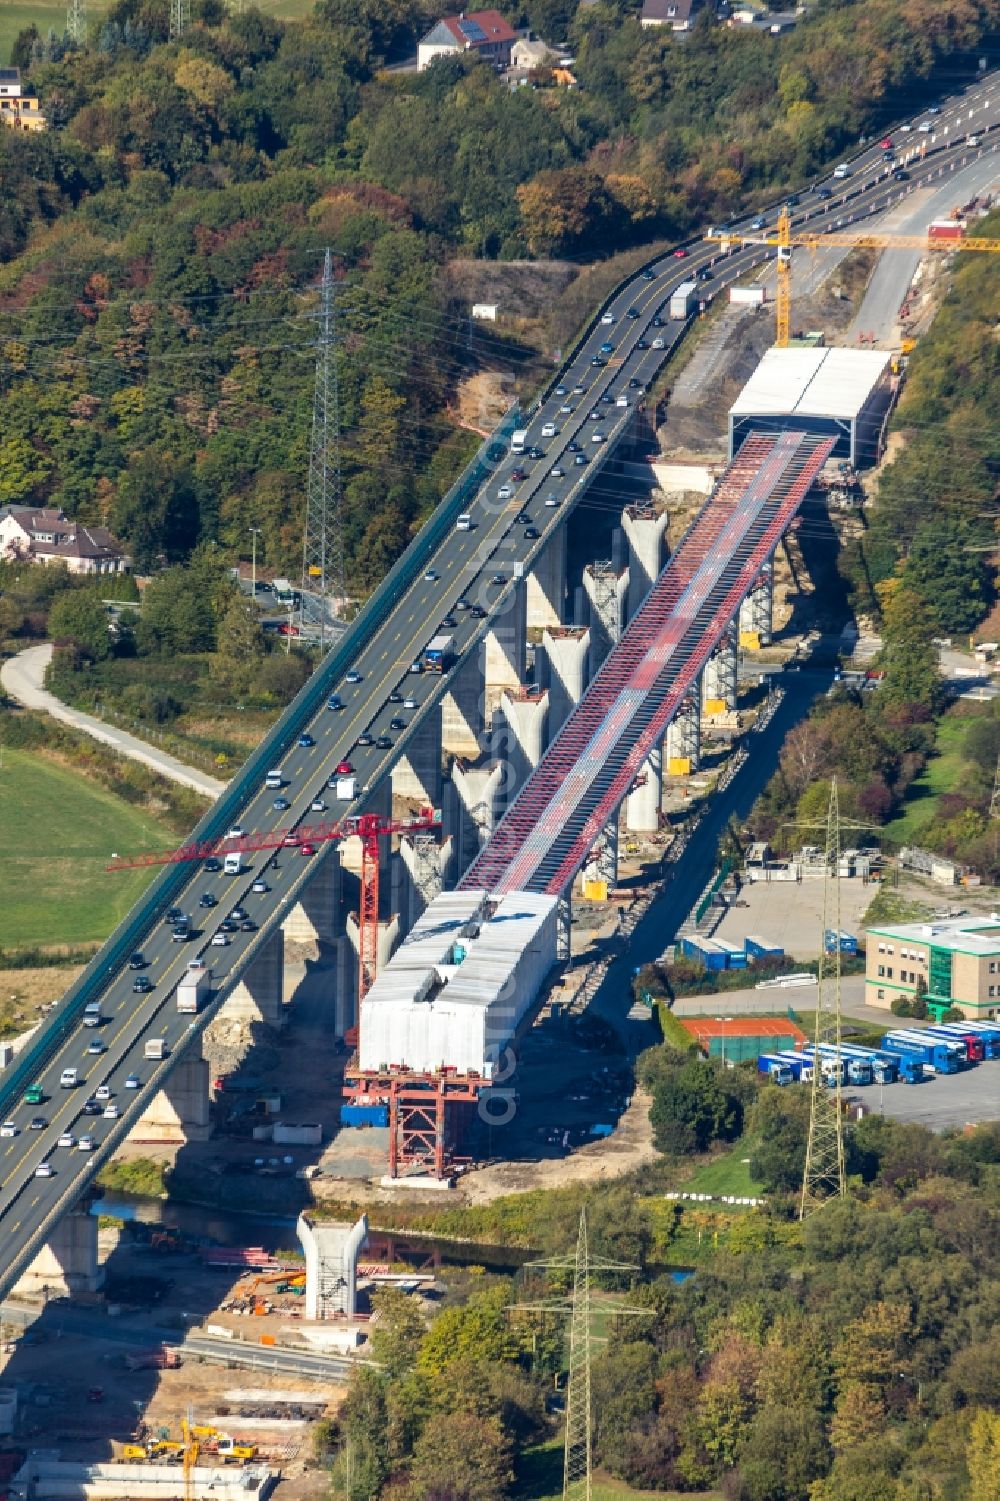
(369, 828)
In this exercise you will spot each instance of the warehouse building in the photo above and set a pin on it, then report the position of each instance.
(739, 1039)
(955, 962)
(839, 393)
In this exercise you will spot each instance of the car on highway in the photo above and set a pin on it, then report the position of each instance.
(67, 1139)
(213, 864)
(607, 347)
(133, 1081)
(44, 1170)
(607, 319)
(86, 1143)
(10, 1128)
(91, 1107)
(824, 193)
(621, 401)
(841, 171)
(635, 384)
(306, 741)
(180, 934)
(557, 472)
(207, 899)
(504, 492)
(383, 743)
(335, 702)
(227, 925)
(307, 849)
(353, 676)
(95, 1048)
(236, 831)
(409, 703)
(111, 1112)
(137, 960)
(659, 344)
(597, 436)
(680, 255)
(281, 805)
(238, 914)
(577, 390)
(498, 579)
(580, 460)
(560, 391)
(593, 415)
(102, 1093)
(598, 363)
(431, 576)
(759, 223)
(633, 312)
(416, 666)
(644, 343)
(649, 274)
(317, 805)
(174, 914)
(248, 925)
(572, 446)
(551, 500)
(395, 723)
(364, 739)
(549, 429)
(260, 886)
(345, 768)
(531, 534)
(395, 697)
(38, 1123)
(219, 940)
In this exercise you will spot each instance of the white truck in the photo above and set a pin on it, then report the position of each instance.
(155, 1049)
(194, 987)
(519, 440)
(346, 789)
(682, 299)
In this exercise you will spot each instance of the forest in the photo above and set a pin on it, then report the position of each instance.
(158, 243)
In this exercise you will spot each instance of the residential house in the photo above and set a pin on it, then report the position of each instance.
(528, 53)
(679, 15)
(484, 32)
(43, 534)
(18, 110)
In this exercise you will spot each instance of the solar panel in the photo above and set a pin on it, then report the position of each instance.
(471, 30)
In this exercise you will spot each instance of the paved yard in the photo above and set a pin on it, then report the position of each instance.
(944, 1101)
(791, 913)
(777, 1001)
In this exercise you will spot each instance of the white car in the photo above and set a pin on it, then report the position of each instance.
(9, 1129)
(96, 1047)
(220, 940)
(548, 429)
(597, 436)
(44, 1170)
(608, 319)
(102, 1093)
(111, 1112)
(67, 1139)
(622, 401)
(86, 1144)
(844, 170)
(133, 1081)
(972, 140)
(659, 343)
(431, 576)
(259, 886)
(566, 410)
(925, 127)
(409, 703)
(236, 832)
(504, 492)
(316, 806)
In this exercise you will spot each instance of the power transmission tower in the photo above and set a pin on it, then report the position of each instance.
(824, 1175)
(323, 542)
(180, 18)
(578, 1456)
(76, 21)
(995, 795)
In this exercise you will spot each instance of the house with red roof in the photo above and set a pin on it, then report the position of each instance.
(484, 32)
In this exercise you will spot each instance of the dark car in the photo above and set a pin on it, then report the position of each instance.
(395, 697)
(597, 362)
(478, 612)
(306, 742)
(248, 925)
(649, 274)
(449, 620)
(174, 914)
(657, 321)
(206, 899)
(534, 452)
(227, 925)
(518, 476)
(38, 1123)
(824, 193)
(181, 933)
(572, 446)
(581, 458)
(531, 533)
(593, 415)
(397, 724)
(642, 343)
(633, 312)
(383, 743)
(462, 604)
(335, 702)
(496, 452)
(137, 960)
(498, 579)
(142, 985)
(635, 384)
(213, 864)
(523, 518)
(93, 1107)
(901, 176)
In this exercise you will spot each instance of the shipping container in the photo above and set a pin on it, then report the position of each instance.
(296, 1136)
(748, 296)
(364, 1115)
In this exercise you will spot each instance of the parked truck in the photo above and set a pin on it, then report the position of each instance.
(194, 987)
(682, 299)
(439, 654)
(963, 1037)
(884, 1066)
(776, 1068)
(831, 1067)
(989, 1034)
(854, 1070)
(936, 1056)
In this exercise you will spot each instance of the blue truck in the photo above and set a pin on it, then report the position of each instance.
(884, 1066)
(777, 1068)
(854, 1070)
(990, 1034)
(936, 1056)
(964, 1038)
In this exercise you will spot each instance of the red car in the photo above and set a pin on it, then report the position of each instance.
(307, 849)
(886, 143)
(680, 255)
(344, 768)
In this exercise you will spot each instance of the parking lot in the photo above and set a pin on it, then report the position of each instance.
(942, 1102)
(791, 913)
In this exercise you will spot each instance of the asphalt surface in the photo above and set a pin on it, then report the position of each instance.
(464, 564)
(23, 677)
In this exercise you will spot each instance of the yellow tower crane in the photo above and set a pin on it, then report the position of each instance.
(190, 1458)
(785, 241)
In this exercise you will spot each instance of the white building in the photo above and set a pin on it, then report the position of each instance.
(43, 534)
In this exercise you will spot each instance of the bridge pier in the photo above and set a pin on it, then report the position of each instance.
(420, 871)
(519, 736)
(67, 1264)
(684, 738)
(462, 720)
(606, 588)
(316, 919)
(562, 670)
(388, 938)
(179, 1113)
(719, 677)
(418, 773)
(757, 609)
(506, 643)
(546, 584)
(644, 532)
(470, 810)
(642, 807)
(331, 1253)
(259, 995)
(603, 862)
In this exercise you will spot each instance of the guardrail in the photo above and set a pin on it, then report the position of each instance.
(222, 813)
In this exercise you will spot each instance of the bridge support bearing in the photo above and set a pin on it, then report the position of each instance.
(505, 648)
(561, 668)
(684, 738)
(259, 995)
(423, 865)
(317, 920)
(179, 1113)
(418, 773)
(331, 1253)
(644, 532)
(606, 588)
(471, 805)
(642, 807)
(546, 584)
(718, 681)
(67, 1264)
(462, 714)
(519, 737)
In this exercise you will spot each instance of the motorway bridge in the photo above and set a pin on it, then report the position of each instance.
(367, 671)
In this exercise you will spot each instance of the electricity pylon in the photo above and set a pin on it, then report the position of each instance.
(76, 21)
(995, 795)
(578, 1455)
(323, 541)
(180, 18)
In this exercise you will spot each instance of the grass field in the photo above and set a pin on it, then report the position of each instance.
(943, 773)
(57, 832)
(51, 15)
(540, 1473)
(726, 1175)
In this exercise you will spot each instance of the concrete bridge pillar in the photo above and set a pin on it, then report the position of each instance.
(519, 736)
(260, 993)
(317, 918)
(756, 611)
(718, 680)
(562, 671)
(642, 807)
(388, 938)
(331, 1252)
(546, 584)
(644, 532)
(602, 863)
(606, 588)
(179, 1113)
(463, 720)
(421, 868)
(418, 773)
(471, 807)
(506, 643)
(67, 1264)
(684, 738)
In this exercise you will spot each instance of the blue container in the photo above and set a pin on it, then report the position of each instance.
(364, 1115)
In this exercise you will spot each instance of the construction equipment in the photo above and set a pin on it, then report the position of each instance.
(369, 828)
(132, 1454)
(785, 241)
(190, 1458)
(229, 1451)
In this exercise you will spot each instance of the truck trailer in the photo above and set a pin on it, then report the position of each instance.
(800, 1065)
(936, 1056)
(855, 1070)
(957, 1033)
(682, 299)
(884, 1066)
(776, 1068)
(439, 653)
(194, 987)
(831, 1067)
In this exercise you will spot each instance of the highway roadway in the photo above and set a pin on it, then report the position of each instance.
(459, 570)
